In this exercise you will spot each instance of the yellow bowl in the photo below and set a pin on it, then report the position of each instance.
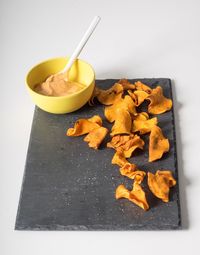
(81, 72)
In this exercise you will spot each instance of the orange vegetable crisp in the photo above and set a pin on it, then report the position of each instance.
(126, 103)
(119, 159)
(160, 184)
(136, 195)
(130, 170)
(158, 144)
(121, 102)
(158, 103)
(143, 124)
(96, 136)
(109, 96)
(127, 143)
(84, 126)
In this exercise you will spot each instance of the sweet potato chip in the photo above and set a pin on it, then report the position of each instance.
(126, 84)
(119, 140)
(96, 119)
(127, 143)
(96, 136)
(138, 96)
(141, 86)
(122, 192)
(136, 195)
(120, 109)
(84, 126)
(126, 103)
(132, 145)
(143, 124)
(158, 103)
(130, 170)
(158, 144)
(142, 116)
(122, 124)
(133, 96)
(160, 184)
(111, 95)
(119, 159)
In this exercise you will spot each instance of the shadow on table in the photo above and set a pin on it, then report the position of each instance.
(183, 181)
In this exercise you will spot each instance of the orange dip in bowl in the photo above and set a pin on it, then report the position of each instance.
(58, 85)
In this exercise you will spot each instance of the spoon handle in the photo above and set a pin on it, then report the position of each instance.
(82, 43)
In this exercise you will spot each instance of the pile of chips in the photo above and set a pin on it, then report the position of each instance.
(121, 102)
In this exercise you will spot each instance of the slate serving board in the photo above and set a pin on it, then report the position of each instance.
(68, 186)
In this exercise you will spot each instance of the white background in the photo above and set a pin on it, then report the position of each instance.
(135, 39)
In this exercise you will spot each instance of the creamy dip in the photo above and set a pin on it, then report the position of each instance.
(58, 85)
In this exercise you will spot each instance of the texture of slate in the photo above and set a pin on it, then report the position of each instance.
(68, 186)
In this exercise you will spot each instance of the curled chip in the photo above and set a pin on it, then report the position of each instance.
(96, 119)
(142, 116)
(130, 170)
(160, 184)
(127, 143)
(143, 124)
(120, 109)
(138, 96)
(111, 95)
(122, 124)
(96, 136)
(119, 159)
(136, 195)
(158, 144)
(84, 126)
(119, 140)
(126, 84)
(141, 86)
(126, 103)
(158, 103)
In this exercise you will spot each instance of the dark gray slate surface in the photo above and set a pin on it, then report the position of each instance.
(68, 186)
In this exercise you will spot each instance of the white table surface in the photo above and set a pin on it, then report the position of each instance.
(135, 39)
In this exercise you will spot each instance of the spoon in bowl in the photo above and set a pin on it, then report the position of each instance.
(58, 84)
(81, 44)
(63, 74)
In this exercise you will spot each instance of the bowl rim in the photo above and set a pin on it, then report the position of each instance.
(59, 97)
